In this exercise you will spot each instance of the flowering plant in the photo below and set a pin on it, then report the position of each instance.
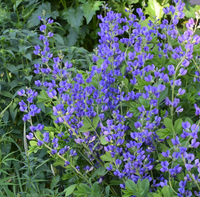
(128, 126)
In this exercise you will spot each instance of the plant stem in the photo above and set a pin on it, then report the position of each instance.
(173, 87)
(17, 12)
(183, 159)
(80, 174)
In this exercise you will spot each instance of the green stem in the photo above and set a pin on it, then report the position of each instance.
(183, 159)
(17, 12)
(80, 174)
(173, 87)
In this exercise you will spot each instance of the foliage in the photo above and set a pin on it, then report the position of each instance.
(121, 128)
(77, 24)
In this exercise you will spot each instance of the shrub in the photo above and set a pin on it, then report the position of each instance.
(128, 126)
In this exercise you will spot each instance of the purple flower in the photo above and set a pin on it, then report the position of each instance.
(181, 91)
(66, 163)
(164, 165)
(50, 21)
(182, 71)
(73, 152)
(137, 124)
(26, 117)
(118, 161)
(148, 78)
(188, 167)
(52, 94)
(194, 128)
(21, 92)
(179, 109)
(176, 170)
(175, 141)
(50, 34)
(40, 143)
(29, 136)
(110, 167)
(190, 157)
(166, 154)
(185, 63)
(171, 70)
(61, 134)
(38, 83)
(197, 110)
(39, 127)
(188, 193)
(32, 128)
(43, 27)
(53, 151)
(46, 137)
(166, 10)
(194, 144)
(186, 125)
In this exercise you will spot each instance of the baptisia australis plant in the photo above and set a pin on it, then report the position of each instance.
(122, 127)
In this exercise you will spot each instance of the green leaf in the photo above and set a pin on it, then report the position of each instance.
(29, 77)
(70, 189)
(10, 52)
(106, 157)
(6, 117)
(189, 12)
(178, 125)
(89, 10)
(162, 147)
(189, 120)
(118, 7)
(72, 37)
(85, 129)
(8, 192)
(116, 182)
(11, 68)
(143, 101)
(59, 162)
(96, 189)
(131, 185)
(33, 19)
(59, 39)
(43, 97)
(28, 56)
(28, 11)
(158, 166)
(13, 111)
(101, 171)
(142, 82)
(96, 121)
(85, 187)
(107, 191)
(162, 133)
(55, 179)
(6, 94)
(33, 143)
(132, 1)
(102, 140)
(163, 95)
(74, 17)
(86, 125)
(166, 191)
(154, 195)
(154, 9)
(145, 186)
(168, 123)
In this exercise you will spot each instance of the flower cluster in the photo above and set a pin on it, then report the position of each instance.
(114, 112)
